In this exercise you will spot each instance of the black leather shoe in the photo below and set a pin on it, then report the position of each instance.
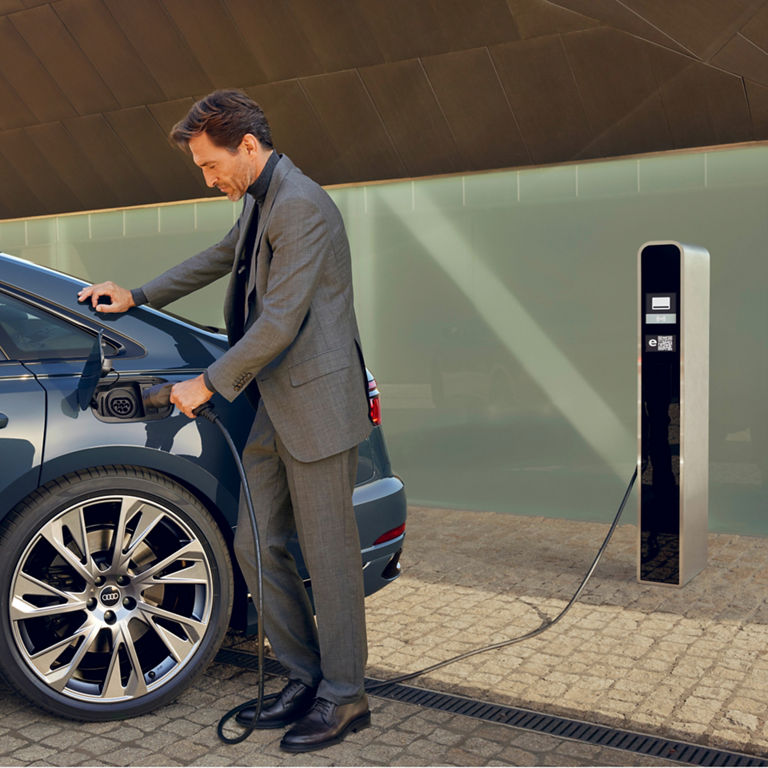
(325, 724)
(294, 701)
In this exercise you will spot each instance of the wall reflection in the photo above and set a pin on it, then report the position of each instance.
(498, 312)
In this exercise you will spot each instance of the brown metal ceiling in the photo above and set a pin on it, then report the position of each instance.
(365, 89)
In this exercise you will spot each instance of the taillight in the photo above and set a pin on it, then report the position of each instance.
(389, 535)
(374, 404)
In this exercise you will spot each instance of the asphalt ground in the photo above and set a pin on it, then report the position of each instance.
(685, 663)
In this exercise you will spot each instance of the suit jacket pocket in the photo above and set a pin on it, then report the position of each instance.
(328, 362)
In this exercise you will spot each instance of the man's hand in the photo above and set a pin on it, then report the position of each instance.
(120, 298)
(188, 395)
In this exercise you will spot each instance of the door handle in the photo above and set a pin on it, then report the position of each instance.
(3, 421)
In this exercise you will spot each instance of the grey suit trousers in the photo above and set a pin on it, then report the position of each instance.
(314, 500)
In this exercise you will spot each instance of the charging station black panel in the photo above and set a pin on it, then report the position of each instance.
(660, 422)
(673, 418)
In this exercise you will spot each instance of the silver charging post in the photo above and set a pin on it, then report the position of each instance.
(673, 411)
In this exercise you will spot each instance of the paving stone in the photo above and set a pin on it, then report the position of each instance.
(34, 753)
(685, 663)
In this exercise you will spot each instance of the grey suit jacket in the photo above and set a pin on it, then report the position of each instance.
(301, 343)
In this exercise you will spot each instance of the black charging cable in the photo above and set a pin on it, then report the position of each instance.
(159, 395)
(545, 625)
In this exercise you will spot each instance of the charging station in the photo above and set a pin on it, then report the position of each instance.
(673, 411)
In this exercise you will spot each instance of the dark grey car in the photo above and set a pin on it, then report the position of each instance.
(117, 580)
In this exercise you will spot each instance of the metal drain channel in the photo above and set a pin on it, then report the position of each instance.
(577, 730)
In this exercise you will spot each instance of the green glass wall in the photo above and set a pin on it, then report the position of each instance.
(498, 313)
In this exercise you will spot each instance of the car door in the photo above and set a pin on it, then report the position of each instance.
(35, 346)
(22, 428)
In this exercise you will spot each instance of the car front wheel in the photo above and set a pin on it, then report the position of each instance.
(116, 589)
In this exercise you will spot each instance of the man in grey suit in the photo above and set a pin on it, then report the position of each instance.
(295, 353)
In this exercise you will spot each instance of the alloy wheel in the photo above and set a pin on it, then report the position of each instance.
(111, 598)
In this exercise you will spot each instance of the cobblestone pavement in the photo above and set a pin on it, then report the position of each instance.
(684, 663)
(185, 734)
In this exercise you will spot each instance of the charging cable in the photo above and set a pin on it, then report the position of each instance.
(207, 412)
(528, 635)
(159, 395)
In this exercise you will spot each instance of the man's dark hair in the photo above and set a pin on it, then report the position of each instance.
(226, 116)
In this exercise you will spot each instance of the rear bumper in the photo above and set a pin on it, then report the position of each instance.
(381, 565)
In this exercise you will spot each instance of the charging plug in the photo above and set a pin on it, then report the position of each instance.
(157, 396)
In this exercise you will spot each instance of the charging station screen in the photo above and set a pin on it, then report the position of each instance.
(660, 414)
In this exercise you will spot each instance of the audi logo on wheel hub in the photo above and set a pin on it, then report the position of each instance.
(109, 595)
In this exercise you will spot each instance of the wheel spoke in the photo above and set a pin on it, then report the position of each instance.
(53, 533)
(75, 523)
(190, 550)
(178, 646)
(28, 586)
(59, 677)
(148, 519)
(113, 683)
(129, 505)
(194, 629)
(196, 573)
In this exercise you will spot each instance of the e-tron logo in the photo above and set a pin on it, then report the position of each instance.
(109, 595)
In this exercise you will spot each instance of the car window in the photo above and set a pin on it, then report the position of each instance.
(31, 333)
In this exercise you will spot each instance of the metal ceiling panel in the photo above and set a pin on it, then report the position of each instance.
(338, 33)
(275, 39)
(702, 26)
(471, 97)
(216, 42)
(704, 105)
(14, 113)
(167, 114)
(758, 107)
(161, 47)
(541, 89)
(110, 158)
(16, 198)
(405, 29)
(407, 105)
(296, 129)
(32, 84)
(44, 32)
(622, 103)
(363, 149)
(362, 89)
(54, 143)
(43, 181)
(154, 156)
(756, 29)
(617, 15)
(10, 6)
(743, 56)
(534, 18)
(110, 53)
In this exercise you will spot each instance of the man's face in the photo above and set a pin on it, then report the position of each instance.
(231, 172)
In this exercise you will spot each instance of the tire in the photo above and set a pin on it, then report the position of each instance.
(94, 631)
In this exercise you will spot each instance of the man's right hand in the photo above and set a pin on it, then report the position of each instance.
(120, 299)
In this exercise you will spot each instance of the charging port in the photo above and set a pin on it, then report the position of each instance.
(123, 401)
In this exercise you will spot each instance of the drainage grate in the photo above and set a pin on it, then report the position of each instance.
(630, 741)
